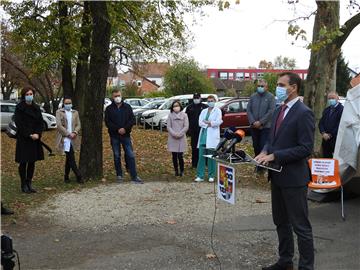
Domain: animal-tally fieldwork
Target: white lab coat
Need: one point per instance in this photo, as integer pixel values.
(213, 132)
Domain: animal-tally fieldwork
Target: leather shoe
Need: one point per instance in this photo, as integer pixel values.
(278, 267)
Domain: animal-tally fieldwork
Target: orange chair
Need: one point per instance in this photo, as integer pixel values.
(322, 179)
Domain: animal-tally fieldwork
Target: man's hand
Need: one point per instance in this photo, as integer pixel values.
(264, 158)
(72, 135)
(257, 124)
(326, 136)
(34, 136)
(122, 131)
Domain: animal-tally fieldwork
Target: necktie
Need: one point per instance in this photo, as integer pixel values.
(280, 118)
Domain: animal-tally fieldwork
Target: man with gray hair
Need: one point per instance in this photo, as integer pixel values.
(329, 124)
(259, 111)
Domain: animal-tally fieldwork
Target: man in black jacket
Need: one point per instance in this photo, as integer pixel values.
(193, 111)
(119, 119)
(329, 124)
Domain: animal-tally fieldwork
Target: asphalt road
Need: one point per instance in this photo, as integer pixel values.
(242, 242)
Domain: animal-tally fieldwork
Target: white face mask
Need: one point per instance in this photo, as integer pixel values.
(196, 101)
(117, 100)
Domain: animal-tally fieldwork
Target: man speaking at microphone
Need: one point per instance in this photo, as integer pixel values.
(291, 141)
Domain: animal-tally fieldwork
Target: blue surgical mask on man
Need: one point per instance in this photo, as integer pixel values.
(281, 94)
(68, 107)
(29, 99)
(332, 102)
(211, 104)
(260, 90)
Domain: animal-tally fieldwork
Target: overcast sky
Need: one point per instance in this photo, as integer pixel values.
(249, 32)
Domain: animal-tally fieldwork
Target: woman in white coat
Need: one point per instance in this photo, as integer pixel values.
(210, 120)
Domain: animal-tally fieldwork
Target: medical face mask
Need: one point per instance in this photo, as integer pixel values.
(211, 104)
(117, 100)
(260, 90)
(197, 101)
(29, 99)
(332, 102)
(281, 93)
(68, 107)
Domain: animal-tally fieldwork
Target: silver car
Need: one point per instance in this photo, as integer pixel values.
(7, 112)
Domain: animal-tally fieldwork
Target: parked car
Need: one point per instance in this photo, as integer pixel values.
(234, 113)
(225, 98)
(8, 110)
(136, 102)
(153, 117)
(150, 106)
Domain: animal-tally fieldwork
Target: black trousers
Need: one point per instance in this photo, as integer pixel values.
(70, 163)
(26, 171)
(328, 147)
(290, 213)
(178, 160)
(194, 150)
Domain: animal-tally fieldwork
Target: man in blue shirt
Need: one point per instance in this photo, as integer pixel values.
(329, 124)
(119, 119)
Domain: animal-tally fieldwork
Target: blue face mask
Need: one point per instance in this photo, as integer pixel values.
(332, 102)
(260, 90)
(211, 104)
(67, 107)
(29, 98)
(281, 94)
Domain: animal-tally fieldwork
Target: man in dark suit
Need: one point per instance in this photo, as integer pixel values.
(291, 141)
(329, 124)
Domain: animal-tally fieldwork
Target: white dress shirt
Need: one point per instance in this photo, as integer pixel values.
(67, 140)
(289, 105)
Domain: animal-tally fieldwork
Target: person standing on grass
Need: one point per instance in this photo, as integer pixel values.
(259, 110)
(29, 123)
(177, 126)
(209, 121)
(193, 111)
(67, 138)
(119, 119)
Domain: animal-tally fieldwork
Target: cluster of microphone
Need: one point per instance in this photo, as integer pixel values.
(227, 143)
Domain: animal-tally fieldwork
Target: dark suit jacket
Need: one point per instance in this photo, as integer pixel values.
(329, 122)
(291, 146)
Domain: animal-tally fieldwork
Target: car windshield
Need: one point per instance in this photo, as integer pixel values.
(152, 105)
(166, 105)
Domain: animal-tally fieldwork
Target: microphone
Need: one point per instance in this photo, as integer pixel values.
(228, 135)
(238, 136)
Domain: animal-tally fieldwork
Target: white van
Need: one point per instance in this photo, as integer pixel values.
(153, 117)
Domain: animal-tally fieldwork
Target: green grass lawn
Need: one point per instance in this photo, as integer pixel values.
(152, 160)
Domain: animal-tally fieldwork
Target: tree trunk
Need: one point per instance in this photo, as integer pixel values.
(82, 68)
(66, 71)
(91, 155)
(322, 69)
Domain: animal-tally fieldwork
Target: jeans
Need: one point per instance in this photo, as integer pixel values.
(259, 138)
(116, 142)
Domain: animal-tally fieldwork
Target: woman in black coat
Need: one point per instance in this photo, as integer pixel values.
(29, 123)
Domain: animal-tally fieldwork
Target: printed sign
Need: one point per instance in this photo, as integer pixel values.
(226, 183)
(323, 167)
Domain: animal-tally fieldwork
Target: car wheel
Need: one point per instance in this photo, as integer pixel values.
(45, 126)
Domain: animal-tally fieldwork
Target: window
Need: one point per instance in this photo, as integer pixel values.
(134, 102)
(4, 108)
(12, 108)
(212, 75)
(231, 76)
(239, 76)
(260, 75)
(234, 107)
(253, 76)
(244, 104)
(138, 83)
(305, 75)
(223, 75)
(247, 75)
